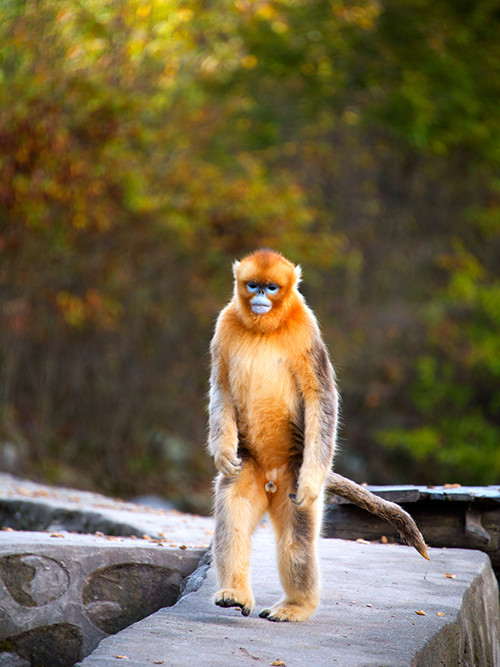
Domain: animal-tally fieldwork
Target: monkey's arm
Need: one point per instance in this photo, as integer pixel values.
(223, 432)
(320, 396)
(391, 512)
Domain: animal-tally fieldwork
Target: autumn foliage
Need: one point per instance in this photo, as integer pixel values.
(144, 145)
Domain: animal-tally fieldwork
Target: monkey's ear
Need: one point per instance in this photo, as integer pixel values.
(235, 267)
(298, 274)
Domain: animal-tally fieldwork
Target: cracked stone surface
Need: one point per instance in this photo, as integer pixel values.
(381, 604)
(26, 505)
(61, 591)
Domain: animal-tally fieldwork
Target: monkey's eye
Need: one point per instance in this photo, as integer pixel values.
(272, 289)
(252, 287)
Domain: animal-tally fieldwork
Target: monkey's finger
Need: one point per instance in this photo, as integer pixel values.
(230, 468)
(235, 466)
(295, 501)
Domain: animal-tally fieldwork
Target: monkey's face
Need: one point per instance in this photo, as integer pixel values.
(261, 296)
(264, 289)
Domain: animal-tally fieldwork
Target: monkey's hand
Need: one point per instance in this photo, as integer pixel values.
(305, 496)
(228, 463)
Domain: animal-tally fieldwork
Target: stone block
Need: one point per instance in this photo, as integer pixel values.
(61, 593)
(76, 566)
(381, 604)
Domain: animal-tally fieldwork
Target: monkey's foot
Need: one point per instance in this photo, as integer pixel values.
(283, 612)
(232, 597)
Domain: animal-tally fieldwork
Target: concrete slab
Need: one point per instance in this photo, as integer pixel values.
(26, 505)
(73, 590)
(82, 571)
(381, 605)
(464, 517)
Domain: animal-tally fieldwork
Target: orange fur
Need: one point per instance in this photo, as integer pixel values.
(272, 431)
(273, 414)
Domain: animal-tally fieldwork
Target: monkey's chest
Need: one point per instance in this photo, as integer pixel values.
(265, 395)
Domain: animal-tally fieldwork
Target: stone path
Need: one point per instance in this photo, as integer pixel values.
(76, 566)
(381, 605)
(26, 505)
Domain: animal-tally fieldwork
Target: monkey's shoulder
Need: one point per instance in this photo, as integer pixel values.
(294, 346)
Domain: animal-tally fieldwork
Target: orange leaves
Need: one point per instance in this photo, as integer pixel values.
(92, 308)
(72, 308)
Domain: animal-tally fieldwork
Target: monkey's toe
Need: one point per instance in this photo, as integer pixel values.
(284, 614)
(230, 599)
(275, 617)
(229, 602)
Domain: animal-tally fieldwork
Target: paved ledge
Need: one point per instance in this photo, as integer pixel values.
(368, 615)
(73, 568)
(26, 505)
(464, 517)
(73, 590)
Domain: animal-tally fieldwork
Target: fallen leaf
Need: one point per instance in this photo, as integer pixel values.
(120, 657)
(278, 662)
(440, 613)
(451, 486)
(362, 541)
(384, 539)
(420, 612)
(449, 576)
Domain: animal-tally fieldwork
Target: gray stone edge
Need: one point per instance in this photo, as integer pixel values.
(463, 642)
(196, 579)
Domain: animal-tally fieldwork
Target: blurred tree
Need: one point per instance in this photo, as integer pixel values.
(118, 209)
(144, 145)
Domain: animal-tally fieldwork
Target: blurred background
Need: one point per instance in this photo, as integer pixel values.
(145, 144)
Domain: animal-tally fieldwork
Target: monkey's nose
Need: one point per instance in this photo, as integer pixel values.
(271, 487)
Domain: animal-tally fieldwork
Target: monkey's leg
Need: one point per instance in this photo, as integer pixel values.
(240, 503)
(297, 533)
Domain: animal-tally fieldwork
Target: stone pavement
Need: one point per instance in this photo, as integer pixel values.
(382, 605)
(76, 566)
(62, 593)
(26, 505)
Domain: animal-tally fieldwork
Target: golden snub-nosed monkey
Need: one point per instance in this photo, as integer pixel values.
(273, 424)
